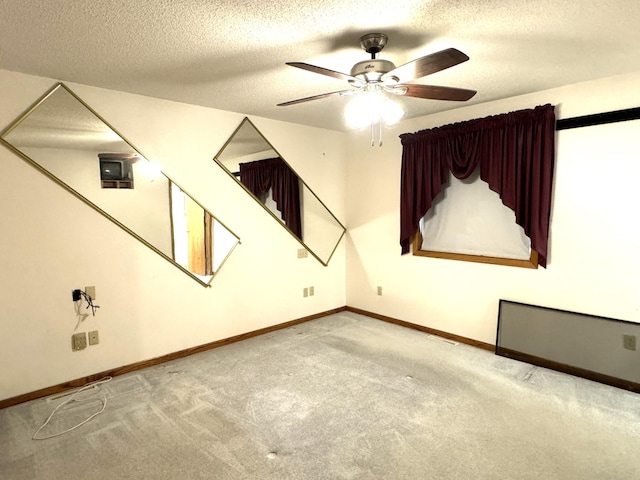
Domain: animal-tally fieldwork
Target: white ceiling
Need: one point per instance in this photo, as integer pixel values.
(231, 54)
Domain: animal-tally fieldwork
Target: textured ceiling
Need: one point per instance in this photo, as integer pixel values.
(231, 54)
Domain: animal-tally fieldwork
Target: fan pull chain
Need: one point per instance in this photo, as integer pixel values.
(373, 135)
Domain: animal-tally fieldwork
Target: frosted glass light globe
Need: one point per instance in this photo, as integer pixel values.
(371, 107)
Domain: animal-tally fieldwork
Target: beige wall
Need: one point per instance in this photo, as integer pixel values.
(594, 256)
(51, 243)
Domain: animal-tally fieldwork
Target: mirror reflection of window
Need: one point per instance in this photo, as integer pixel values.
(268, 201)
(318, 230)
(272, 176)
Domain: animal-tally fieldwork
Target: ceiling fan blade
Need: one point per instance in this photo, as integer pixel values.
(316, 97)
(325, 71)
(434, 92)
(427, 65)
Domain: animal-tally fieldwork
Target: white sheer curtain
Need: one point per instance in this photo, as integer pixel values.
(469, 218)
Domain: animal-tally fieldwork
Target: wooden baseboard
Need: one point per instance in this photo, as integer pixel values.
(79, 382)
(421, 328)
(571, 370)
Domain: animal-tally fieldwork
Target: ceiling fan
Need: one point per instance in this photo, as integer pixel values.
(376, 75)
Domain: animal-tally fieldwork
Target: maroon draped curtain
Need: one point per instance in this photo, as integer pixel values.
(515, 152)
(262, 175)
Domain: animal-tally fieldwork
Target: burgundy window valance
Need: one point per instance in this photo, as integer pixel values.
(275, 175)
(515, 152)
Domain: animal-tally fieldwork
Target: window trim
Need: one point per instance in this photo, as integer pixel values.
(532, 262)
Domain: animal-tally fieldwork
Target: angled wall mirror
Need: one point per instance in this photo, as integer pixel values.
(253, 162)
(70, 143)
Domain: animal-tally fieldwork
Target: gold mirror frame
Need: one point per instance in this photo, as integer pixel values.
(320, 230)
(60, 125)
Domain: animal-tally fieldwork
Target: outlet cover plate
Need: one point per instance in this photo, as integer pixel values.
(79, 341)
(91, 291)
(629, 342)
(94, 339)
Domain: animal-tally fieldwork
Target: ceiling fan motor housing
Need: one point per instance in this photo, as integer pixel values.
(372, 70)
(373, 42)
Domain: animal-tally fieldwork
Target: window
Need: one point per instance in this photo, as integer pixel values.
(514, 153)
(469, 222)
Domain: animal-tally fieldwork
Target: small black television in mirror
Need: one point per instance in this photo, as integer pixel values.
(116, 170)
(111, 170)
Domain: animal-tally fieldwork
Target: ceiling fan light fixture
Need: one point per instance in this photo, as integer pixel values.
(374, 80)
(370, 107)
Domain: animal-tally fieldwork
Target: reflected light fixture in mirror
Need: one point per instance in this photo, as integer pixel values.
(70, 143)
(248, 155)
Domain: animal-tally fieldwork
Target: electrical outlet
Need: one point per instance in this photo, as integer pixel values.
(380, 291)
(302, 253)
(75, 295)
(629, 342)
(91, 291)
(305, 292)
(93, 338)
(78, 341)
(311, 291)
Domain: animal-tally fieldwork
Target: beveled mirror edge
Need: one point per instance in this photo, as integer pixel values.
(215, 159)
(13, 125)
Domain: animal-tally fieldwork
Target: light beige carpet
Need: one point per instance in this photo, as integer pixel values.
(342, 397)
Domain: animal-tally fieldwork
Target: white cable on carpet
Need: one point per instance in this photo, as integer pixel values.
(72, 398)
